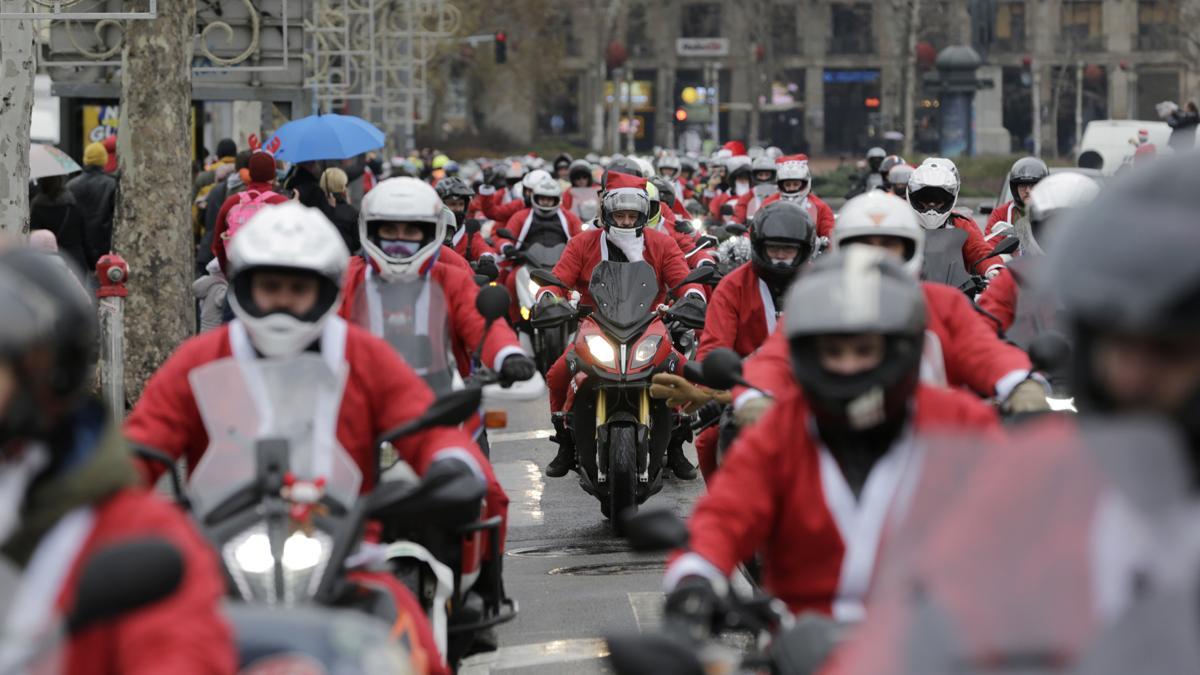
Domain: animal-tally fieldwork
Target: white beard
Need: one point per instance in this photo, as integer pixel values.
(632, 247)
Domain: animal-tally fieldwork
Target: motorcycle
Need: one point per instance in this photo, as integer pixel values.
(943, 262)
(548, 329)
(621, 434)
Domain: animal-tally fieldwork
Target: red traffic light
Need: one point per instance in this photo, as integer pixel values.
(871, 102)
(680, 115)
(501, 36)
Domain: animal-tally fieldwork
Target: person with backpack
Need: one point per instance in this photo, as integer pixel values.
(238, 208)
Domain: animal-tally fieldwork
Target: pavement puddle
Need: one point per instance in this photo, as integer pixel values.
(522, 480)
(539, 654)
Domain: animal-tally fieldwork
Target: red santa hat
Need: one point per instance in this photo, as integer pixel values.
(623, 181)
(735, 148)
(792, 167)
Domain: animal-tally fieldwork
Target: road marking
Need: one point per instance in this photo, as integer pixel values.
(510, 436)
(522, 480)
(540, 654)
(647, 610)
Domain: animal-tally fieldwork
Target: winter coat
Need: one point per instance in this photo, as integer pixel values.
(818, 210)
(741, 314)
(211, 290)
(344, 216)
(65, 218)
(96, 194)
(466, 325)
(976, 251)
(1183, 130)
(218, 244)
(961, 350)
(1005, 213)
(184, 633)
(478, 245)
(586, 251)
(519, 224)
(790, 503)
(495, 208)
(308, 189)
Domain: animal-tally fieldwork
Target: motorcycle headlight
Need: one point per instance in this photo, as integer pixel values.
(602, 350)
(645, 351)
(1061, 404)
(251, 564)
(532, 287)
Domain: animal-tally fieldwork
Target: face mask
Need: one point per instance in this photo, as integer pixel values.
(399, 248)
(741, 187)
(764, 190)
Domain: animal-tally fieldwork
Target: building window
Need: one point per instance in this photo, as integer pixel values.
(851, 30)
(1009, 28)
(701, 20)
(785, 35)
(1082, 26)
(1158, 22)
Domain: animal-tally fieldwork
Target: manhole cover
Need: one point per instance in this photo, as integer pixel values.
(611, 569)
(562, 550)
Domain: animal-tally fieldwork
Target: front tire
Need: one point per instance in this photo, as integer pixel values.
(622, 474)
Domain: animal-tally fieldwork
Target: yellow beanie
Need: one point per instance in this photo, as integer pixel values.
(95, 155)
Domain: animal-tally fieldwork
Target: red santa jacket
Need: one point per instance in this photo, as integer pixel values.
(790, 503)
(976, 251)
(1005, 213)
(520, 221)
(184, 633)
(717, 201)
(496, 208)
(479, 246)
(453, 258)
(741, 314)
(466, 325)
(686, 242)
(381, 393)
(587, 250)
(818, 210)
(999, 300)
(971, 354)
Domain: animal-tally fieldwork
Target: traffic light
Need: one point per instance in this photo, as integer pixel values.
(681, 114)
(501, 42)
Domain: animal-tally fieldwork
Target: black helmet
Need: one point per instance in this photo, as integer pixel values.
(886, 165)
(860, 290)
(48, 336)
(580, 168)
(875, 157)
(1026, 171)
(453, 187)
(620, 165)
(781, 223)
(1126, 263)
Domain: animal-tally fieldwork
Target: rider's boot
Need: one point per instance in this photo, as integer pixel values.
(678, 463)
(564, 461)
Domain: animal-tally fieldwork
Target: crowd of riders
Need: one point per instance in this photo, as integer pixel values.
(809, 355)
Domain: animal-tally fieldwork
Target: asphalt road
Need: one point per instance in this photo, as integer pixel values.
(574, 581)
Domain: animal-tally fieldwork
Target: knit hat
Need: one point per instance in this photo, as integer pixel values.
(95, 155)
(262, 167)
(226, 148)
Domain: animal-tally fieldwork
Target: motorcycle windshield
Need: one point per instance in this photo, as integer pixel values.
(1036, 555)
(944, 256)
(243, 402)
(624, 293)
(544, 257)
(412, 316)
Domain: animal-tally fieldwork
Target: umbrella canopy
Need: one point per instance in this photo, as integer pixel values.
(324, 137)
(47, 160)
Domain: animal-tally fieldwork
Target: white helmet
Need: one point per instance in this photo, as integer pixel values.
(532, 178)
(402, 200)
(669, 162)
(793, 167)
(933, 191)
(879, 213)
(645, 165)
(1050, 198)
(287, 236)
(547, 187)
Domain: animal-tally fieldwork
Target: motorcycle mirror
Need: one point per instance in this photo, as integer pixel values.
(985, 209)
(1006, 247)
(124, 577)
(723, 369)
(492, 302)
(473, 225)
(449, 410)
(654, 530)
(700, 275)
(658, 653)
(448, 499)
(546, 278)
(693, 372)
(505, 233)
(1049, 351)
(736, 229)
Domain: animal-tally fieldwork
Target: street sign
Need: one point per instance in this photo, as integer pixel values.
(702, 47)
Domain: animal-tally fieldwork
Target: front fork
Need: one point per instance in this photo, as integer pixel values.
(643, 460)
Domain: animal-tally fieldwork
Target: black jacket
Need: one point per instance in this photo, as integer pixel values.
(95, 194)
(64, 218)
(345, 217)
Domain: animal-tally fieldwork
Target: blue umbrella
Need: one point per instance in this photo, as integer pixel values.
(324, 137)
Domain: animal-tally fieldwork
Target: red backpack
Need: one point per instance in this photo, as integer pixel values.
(249, 203)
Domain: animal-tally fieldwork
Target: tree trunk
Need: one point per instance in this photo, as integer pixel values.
(910, 76)
(16, 110)
(153, 221)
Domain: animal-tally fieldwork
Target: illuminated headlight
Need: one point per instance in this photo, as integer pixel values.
(602, 350)
(645, 351)
(524, 313)
(532, 287)
(1062, 404)
(251, 563)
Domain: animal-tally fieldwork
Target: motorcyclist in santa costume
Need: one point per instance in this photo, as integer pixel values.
(456, 195)
(663, 219)
(762, 181)
(492, 204)
(71, 490)
(962, 348)
(814, 506)
(794, 179)
(745, 307)
(545, 221)
(933, 192)
(1048, 202)
(583, 188)
(670, 168)
(623, 237)
(1025, 173)
(400, 225)
(734, 182)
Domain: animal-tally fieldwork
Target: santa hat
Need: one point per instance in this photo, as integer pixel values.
(792, 167)
(735, 147)
(623, 181)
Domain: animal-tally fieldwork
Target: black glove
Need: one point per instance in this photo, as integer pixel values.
(709, 412)
(692, 607)
(689, 311)
(513, 253)
(517, 368)
(487, 267)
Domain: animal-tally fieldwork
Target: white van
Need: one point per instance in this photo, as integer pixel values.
(1113, 142)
